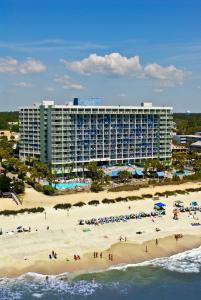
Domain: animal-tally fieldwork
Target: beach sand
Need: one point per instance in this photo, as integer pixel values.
(29, 251)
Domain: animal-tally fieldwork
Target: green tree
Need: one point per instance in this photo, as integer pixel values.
(22, 170)
(96, 186)
(4, 183)
(51, 178)
(124, 176)
(152, 165)
(95, 173)
(18, 186)
(179, 160)
(48, 190)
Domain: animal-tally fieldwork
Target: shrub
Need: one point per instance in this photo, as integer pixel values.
(169, 193)
(126, 187)
(96, 187)
(180, 192)
(18, 186)
(120, 199)
(38, 187)
(79, 204)
(107, 201)
(93, 202)
(48, 190)
(147, 196)
(22, 211)
(160, 194)
(176, 178)
(29, 181)
(62, 206)
(131, 198)
(4, 183)
(190, 190)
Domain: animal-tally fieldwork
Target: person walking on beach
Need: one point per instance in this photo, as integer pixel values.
(146, 249)
(156, 242)
(101, 255)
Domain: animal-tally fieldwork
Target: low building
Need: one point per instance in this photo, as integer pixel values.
(195, 147)
(179, 149)
(13, 123)
(186, 138)
(9, 135)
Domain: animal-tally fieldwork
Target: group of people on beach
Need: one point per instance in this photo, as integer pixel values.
(96, 255)
(76, 257)
(65, 180)
(121, 238)
(53, 254)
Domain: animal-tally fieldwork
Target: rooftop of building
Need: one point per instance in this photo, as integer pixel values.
(189, 135)
(95, 105)
(196, 144)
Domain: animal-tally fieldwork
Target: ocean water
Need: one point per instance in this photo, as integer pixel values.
(175, 277)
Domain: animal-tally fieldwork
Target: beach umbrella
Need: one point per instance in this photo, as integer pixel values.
(194, 203)
(179, 203)
(160, 204)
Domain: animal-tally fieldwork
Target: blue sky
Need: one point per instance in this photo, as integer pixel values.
(125, 51)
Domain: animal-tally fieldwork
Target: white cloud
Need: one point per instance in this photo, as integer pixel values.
(50, 45)
(24, 84)
(30, 65)
(122, 95)
(170, 73)
(158, 90)
(114, 64)
(8, 65)
(67, 83)
(50, 89)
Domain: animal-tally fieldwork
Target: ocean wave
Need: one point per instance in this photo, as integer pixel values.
(38, 286)
(184, 262)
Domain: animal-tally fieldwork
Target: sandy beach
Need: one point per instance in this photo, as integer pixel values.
(29, 251)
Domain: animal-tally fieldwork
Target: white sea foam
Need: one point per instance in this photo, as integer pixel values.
(184, 262)
(39, 285)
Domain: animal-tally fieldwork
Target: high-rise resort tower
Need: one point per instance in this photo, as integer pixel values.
(84, 131)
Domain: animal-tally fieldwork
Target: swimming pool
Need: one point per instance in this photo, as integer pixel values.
(181, 173)
(69, 185)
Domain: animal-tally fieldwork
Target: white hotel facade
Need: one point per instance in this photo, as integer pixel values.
(62, 135)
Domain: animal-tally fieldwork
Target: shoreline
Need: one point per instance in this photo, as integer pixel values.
(29, 251)
(125, 254)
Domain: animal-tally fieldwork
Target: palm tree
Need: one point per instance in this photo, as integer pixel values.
(51, 178)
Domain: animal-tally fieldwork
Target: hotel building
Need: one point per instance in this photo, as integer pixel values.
(80, 132)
